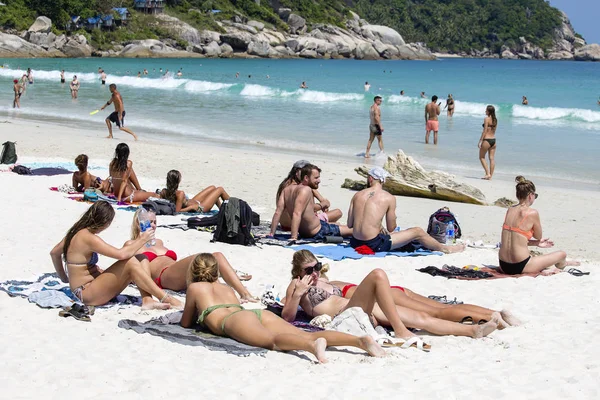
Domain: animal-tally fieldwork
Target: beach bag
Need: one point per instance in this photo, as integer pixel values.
(90, 194)
(9, 153)
(438, 221)
(160, 206)
(354, 321)
(22, 170)
(234, 223)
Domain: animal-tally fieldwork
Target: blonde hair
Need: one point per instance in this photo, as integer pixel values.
(204, 268)
(302, 257)
(524, 187)
(135, 224)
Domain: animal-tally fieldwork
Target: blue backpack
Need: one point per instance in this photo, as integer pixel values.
(438, 221)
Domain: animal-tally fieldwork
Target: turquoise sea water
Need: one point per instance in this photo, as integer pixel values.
(556, 137)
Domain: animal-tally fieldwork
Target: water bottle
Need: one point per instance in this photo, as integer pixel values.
(450, 235)
(145, 224)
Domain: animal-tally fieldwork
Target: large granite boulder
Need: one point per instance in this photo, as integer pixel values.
(409, 178)
(212, 49)
(590, 52)
(296, 23)
(560, 55)
(509, 55)
(41, 25)
(149, 48)
(365, 51)
(74, 48)
(180, 29)
(261, 49)
(259, 26)
(383, 33)
(226, 50)
(284, 13)
(237, 40)
(306, 53)
(12, 46)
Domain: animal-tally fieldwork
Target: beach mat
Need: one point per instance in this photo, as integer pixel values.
(341, 251)
(488, 272)
(167, 327)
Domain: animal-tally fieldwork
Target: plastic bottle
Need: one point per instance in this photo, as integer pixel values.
(145, 224)
(450, 234)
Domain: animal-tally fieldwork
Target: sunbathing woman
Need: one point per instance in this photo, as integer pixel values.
(215, 306)
(125, 185)
(316, 295)
(202, 202)
(82, 179)
(168, 273)
(522, 228)
(80, 248)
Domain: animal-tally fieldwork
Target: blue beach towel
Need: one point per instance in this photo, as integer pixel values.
(340, 252)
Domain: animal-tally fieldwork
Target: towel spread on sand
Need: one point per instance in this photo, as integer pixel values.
(452, 272)
(167, 327)
(340, 252)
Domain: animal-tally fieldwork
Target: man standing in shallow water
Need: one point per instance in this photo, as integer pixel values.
(432, 110)
(375, 127)
(17, 89)
(118, 115)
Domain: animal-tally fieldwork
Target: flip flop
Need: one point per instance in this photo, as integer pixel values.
(577, 272)
(414, 341)
(243, 276)
(77, 311)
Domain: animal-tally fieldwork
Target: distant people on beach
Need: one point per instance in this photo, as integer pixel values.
(91, 285)
(432, 124)
(524, 101)
(23, 83)
(170, 273)
(29, 76)
(103, 77)
(124, 183)
(367, 86)
(179, 73)
(237, 75)
(17, 88)
(303, 85)
(370, 206)
(487, 142)
(402, 93)
(375, 126)
(83, 180)
(523, 228)
(139, 74)
(216, 307)
(117, 116)
(74, 86)
(145, 71)
(204, 201)
(62, 76)
(450, 105)
(423, 95)
(298, 202)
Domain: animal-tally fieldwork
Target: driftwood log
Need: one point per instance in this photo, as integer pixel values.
(408, 178)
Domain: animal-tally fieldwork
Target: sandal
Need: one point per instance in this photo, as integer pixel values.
(78, 311)
(577, 272)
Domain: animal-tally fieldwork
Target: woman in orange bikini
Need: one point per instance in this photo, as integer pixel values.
(522, 228)
(168, 273)
(487, 142)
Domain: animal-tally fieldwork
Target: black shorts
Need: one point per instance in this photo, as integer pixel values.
(375, 129)
(104, 82)
(114, 118)
(380, 243)
(62, 81)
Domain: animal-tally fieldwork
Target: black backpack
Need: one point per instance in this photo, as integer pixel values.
(9, 153)
(234, 223)
(438, 222)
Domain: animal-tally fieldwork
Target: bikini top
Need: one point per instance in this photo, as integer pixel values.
(92, 262)
(152, 256)
(317, 295)
(527, 234)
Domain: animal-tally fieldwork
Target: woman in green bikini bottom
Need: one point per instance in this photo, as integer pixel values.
(215, 306)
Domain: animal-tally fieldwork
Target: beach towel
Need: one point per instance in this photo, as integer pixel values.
(167, 327)
(487, 272)
(342, 251)
(50, 171)
(280, 238)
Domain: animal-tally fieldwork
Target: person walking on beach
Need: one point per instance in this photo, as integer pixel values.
(450, 105)
(62, 76)
(375, 126)
(432, 110)
(17, 88)
(74, 85)
(118, 115)
(487, 142)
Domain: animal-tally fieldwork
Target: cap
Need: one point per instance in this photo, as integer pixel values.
(379, 174)
(301, 163)
(16, 81)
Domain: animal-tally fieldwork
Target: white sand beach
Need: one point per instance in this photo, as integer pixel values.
(554, 354)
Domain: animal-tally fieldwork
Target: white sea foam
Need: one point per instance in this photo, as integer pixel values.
(326, 97)
(252, 90)
(205, 86)
(555, 113)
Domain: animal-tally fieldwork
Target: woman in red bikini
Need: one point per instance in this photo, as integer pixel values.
(522, 228)
(169, 273)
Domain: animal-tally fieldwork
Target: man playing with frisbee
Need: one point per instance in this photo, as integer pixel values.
(117, 115)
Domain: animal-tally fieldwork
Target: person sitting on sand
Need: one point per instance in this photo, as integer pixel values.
(170, 273)
(316, 295)
(215, 306)
(321, 208)
(80, 248)
(522, 228)
(202, 202)
(367, 209)
(297, 201)
(82, 179)
(122, 177)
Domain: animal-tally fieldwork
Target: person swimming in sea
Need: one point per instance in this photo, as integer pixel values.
(525, 101)
(303, 85)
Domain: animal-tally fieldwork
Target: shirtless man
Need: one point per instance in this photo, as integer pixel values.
(450, 105)
(524, 101)
(74, 85)
(298, 201)
(432, 110)
(17, 88)
(62, 76)
(367, 86)
(103, 77)
(117, 115)
(375, 126)
(367, 209)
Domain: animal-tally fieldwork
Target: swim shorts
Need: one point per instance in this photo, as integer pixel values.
(375, 129)
(114, 118)
(380, 243)
(432, 126)
(104, 82)
(327, 230)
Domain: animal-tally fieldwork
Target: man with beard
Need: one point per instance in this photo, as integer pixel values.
(298, 201)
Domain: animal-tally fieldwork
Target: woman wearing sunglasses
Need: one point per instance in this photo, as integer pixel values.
(316, 295)
(522, 228)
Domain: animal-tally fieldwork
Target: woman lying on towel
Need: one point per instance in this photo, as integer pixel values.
(80, 248)
(82, 179)
(122, 177)
(522, 228)
(215, 306)
(202, 202)
(168, 273)
(316, 295)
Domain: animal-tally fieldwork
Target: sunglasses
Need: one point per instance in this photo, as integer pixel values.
(536, 195)
(317, 267)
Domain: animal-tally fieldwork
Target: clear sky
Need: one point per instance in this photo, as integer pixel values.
(584, 16)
